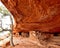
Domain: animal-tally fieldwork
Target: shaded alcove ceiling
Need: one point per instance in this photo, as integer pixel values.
(42, 15)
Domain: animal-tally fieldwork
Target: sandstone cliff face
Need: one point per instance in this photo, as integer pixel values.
(42, 15)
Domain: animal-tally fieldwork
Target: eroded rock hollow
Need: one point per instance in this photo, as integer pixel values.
(42, 15)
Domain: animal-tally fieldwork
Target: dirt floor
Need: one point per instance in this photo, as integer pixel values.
(28, 42)
(23, 42)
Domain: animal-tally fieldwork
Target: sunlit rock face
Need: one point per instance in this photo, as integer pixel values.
(42, 15)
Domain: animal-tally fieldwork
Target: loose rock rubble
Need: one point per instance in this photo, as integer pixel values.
(4, 38)
(32, 42)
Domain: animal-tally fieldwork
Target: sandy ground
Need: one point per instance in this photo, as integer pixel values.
(21, 42)
(28, 42)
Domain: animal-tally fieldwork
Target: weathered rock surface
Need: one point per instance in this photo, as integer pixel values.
(33, 42)
(42, 15)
